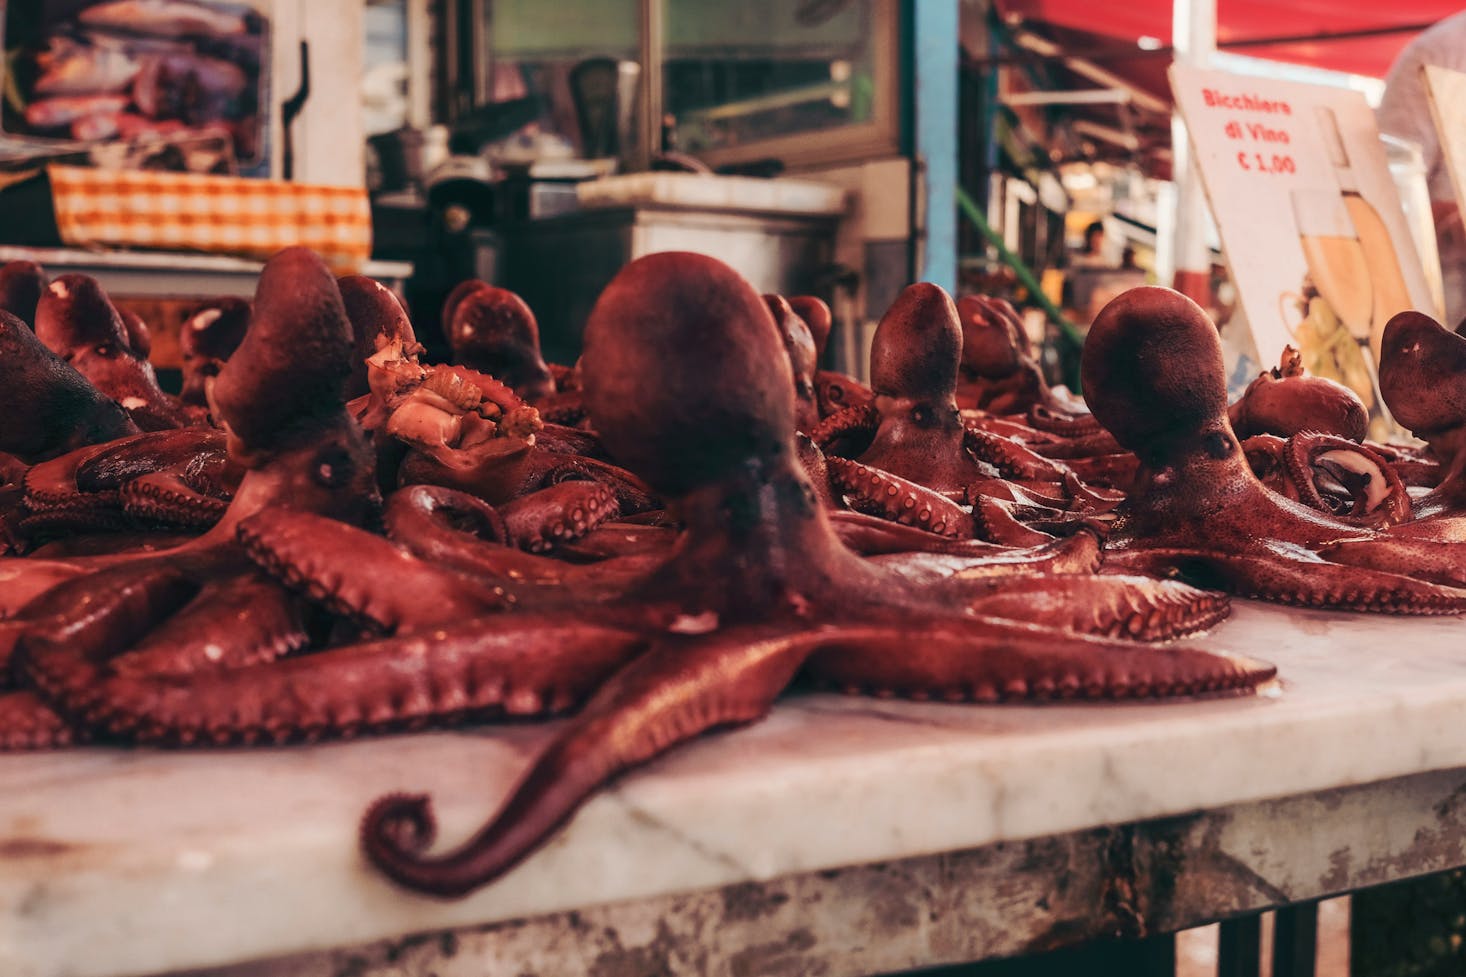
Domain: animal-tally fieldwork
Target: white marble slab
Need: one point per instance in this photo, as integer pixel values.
(121, 862)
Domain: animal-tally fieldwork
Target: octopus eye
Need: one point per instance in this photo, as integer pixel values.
(1217, 445)
(920, 415)
(106, 349)
(333, 468)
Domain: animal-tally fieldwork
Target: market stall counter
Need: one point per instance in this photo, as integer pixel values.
(841, 836)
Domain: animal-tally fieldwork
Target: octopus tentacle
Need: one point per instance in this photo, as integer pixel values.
(464, 534)
(873, 536)
(677, 689)
(632, 495)
(53, 484)
(1378, 495)
(560, 513)
(1137, 608)
(230, 623)
(835, 392)
(859, 421)
(881, 493)
(114, 464)
(617, 539)
(1046, 418)
(167, 498)
(103, 515)
(519, 665)
(1290, 577)
(1117, 470)
(1015, 662)
(1077, 554)
(1011, 459)
(995, 522)
(1438, 560)
(360, 576)
(27, 723)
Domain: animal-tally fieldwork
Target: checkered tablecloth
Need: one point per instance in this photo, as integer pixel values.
(215, 214)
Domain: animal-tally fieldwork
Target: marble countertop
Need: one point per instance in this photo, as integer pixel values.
(122, 862)
(180, 262)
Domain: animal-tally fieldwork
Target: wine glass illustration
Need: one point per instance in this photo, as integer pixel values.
(1336, 260)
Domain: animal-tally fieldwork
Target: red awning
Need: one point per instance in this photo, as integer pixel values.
(1241, 24)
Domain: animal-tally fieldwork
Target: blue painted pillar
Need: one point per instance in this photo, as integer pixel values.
(934, 49)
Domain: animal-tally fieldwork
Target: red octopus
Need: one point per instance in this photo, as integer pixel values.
(1154, 377)
(658, 646)
(915, 458)
(21, 285)
(76, 320)
(279, 399)
(1422, 377)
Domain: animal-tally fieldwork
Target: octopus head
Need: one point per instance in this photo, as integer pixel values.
(990, 340)
(817, 317)
(289, 372)
(1153, 376)
(685, 375)
(917, 346)
(1422, 373)
(75, 316)
(377, 318)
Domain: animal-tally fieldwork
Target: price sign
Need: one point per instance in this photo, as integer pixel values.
(1309, 221)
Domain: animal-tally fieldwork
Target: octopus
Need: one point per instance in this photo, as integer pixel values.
(758, 588)
(201, 605)
(1000, 374)
(1154, 377)
(206, 341)
(76, 320)
(493, 331)
(647, 649)
(50, 407)
(1422, 377)
(913, 458)
(834, 391)
(1286, 400)
(21, 285)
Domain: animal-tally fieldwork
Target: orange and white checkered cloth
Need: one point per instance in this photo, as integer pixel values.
(216, 214)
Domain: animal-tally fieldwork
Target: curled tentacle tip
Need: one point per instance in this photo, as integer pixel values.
(399, 822)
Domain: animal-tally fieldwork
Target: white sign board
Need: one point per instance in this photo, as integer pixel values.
(1309, 219)
(1447, 93)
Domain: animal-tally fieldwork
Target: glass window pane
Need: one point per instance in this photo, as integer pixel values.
(568, 66)
(756, 69)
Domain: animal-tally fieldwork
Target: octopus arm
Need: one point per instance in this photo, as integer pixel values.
(1137, 608)
(361, 576)
(1292, 575)
(1011, 459)
(231, 622)
(28, 723)
(167, 498)
(1077, 554)
(558, 513)
(989, 661)
(521, 665)
(681, 687)
(880, 493)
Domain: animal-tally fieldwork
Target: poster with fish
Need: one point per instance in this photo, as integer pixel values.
(173, 73)
(1310, 220)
